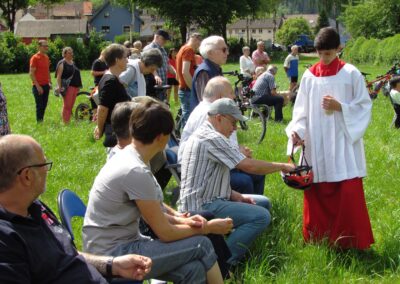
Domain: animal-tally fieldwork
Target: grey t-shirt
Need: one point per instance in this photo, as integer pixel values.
(112, 217)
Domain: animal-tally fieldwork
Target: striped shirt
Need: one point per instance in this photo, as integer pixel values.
(264, 85)
(206, 161)
(162, 71)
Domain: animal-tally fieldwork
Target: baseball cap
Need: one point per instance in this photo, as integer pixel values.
(226, 106)
(164, 34)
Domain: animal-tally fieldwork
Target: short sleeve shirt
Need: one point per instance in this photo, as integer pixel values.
(265, 83)
(207, 160)
(111, 92)
(186, 53)
(162, 71)
(112, 216)
(259, 55)
(42, 64)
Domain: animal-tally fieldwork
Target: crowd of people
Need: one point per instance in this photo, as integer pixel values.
(129, 231)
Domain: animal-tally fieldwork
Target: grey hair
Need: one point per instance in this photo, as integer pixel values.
(245, 48)
(66, 49)
(137, 43)
(14, 155)
(215, 87)
(152, 57)
(272, 69)
(208, 44)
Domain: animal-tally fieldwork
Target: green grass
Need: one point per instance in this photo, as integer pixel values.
(279, 255)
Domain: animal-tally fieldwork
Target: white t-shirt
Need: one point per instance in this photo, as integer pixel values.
(395, 95)
(246, 66)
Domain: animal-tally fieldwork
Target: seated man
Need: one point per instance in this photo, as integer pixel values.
(125, 191)
(206, 160)
(266, 94)
(219, 87)
(34, 247)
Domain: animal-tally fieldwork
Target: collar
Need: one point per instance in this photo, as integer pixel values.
(212, 64)
(34, 211)
(322, 70)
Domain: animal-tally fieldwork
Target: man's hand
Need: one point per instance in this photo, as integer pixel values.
(131, 266)
(238, 197)
(296, 140)
(195, 221)
(247, 199)
(220, 226)
(246, 151)
(158, 80)
(329, 103)
(39, 89)
(287, 167)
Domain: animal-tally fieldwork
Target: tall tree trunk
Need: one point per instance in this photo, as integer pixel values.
(183, 31)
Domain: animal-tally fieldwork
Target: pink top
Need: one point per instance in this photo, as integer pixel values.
(260, 55)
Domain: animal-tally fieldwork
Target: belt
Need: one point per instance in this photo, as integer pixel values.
(184, 89)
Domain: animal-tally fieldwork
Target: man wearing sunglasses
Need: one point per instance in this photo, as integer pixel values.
(35, 247)
(215, 53)
(207, 160)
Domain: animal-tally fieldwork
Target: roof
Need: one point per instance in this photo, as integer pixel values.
(67, 9)
(46, 28)
(27, 17)
(253, 24)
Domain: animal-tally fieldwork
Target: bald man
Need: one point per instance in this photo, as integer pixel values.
(35, 247)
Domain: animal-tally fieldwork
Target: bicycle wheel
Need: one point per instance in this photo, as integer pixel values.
(83, 112)
(258, 124)
(83, 93)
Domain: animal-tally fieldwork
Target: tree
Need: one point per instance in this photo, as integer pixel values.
(291, 29)
(322, 21)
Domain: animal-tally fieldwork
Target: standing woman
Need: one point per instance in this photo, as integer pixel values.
(246, 63)
(171, 78)
(68, 82)
(4, 125)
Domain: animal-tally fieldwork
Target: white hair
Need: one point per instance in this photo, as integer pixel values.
(215, 87)
(208, 44)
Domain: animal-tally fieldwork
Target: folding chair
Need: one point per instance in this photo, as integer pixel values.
(69, 206)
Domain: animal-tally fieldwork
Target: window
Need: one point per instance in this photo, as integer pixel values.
(106, 14)
(243, 31)
(105, 29)
(126, 29)
(269, 31)
(260, 31)
(253, 31)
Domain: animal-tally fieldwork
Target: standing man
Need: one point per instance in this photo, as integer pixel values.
(259, 56)
(291, 66)
(215, 53)
(39, 71)
(160, 39)
(185, 66)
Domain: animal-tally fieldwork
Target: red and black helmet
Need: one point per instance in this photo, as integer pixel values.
(302, 176)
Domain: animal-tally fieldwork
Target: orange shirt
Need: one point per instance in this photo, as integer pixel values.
(186, 53)
(41, 62)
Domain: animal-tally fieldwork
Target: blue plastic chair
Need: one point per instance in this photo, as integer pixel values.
(69, 206)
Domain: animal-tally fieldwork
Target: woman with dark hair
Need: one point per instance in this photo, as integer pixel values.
(68, 82)
(111, 92)
(330, 116)
(125, 190)
(171, 78)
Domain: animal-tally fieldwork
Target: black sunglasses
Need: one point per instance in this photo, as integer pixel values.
(47, 164)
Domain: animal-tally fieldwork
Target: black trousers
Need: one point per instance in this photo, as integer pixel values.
(275, 101)
(41, 101)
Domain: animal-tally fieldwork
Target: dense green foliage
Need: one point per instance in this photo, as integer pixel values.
(373, 18)
(373, 51)
(15, 55)
(322, 21)
(291, 29)
(279, 254)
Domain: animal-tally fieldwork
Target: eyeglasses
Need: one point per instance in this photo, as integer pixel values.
(48, 166)
(233, 122)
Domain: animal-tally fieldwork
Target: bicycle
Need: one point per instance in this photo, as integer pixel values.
(381, 82)
(85, 111)
(243, 97)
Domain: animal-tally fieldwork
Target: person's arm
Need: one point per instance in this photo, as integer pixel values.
(32, 70)
(266, 58)
(259, 167)
(130, 266)
(59, 72)
(171, 70)
(102, 113)
(186, 73)
(200, 84)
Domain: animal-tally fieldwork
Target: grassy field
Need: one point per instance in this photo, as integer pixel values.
(279, 255)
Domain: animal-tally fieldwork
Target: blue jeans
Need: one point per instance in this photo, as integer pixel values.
(247, 183)
(183, 261)
(248, 221)
(184, 98)
(41, 101)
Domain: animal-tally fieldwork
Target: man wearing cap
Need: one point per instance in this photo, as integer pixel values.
(185, 66)
(160, 39)
(206, 161)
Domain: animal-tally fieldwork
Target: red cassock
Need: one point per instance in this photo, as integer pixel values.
(336, 210)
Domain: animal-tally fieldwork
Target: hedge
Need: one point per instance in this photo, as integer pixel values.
(373, 51)
(15, 55)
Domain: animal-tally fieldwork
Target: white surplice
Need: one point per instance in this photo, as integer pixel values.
(333, 140)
